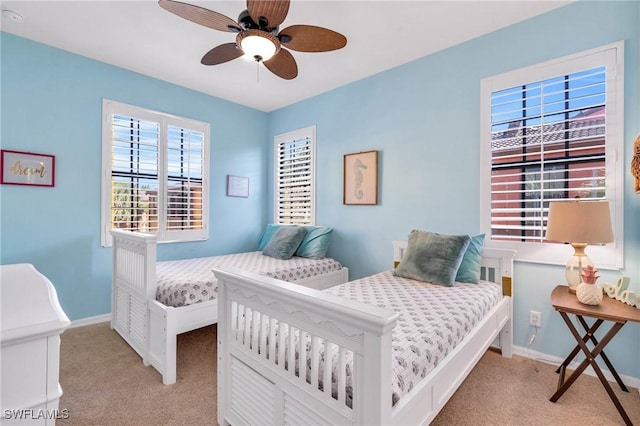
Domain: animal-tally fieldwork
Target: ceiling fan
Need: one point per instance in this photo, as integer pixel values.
(259, 36)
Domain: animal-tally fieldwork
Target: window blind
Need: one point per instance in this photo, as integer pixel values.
(548, 142)
(134, 175)
(184, 179)
(294, 180)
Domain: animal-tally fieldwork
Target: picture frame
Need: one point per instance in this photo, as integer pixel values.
(27, 168)
(360, 178)
(237, 186)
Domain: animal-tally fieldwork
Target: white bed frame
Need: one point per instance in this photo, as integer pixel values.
(253, 388)
(147, 325)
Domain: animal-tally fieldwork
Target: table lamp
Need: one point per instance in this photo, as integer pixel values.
(579, 223)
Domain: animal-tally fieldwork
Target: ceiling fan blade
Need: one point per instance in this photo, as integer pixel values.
(309, 38)
(273, 10)
(200, 15)
(283, 65)
(221, 54)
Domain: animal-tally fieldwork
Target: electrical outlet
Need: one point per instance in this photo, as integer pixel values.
(535, 319)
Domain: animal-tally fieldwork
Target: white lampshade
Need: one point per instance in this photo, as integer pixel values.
(579, 223)
(257, 47)
(586, 222)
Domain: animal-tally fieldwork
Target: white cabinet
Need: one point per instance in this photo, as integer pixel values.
(32, 321)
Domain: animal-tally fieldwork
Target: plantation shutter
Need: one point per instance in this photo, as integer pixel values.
(155, 169)
(134, 173)
(294, 178)
(548, 142)
(184, 179)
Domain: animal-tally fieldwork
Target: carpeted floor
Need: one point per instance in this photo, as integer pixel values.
(105, 383)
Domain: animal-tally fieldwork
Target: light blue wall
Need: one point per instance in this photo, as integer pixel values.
(423, 117)
(52, 103)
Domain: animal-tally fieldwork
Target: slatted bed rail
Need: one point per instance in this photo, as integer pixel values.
(263, 322)
(277, 343)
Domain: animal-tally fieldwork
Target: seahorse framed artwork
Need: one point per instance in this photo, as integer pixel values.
(361, 178)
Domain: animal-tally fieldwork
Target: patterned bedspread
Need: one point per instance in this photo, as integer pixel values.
(184, 282)
(433, 319)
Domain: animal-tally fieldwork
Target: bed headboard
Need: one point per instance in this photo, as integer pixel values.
(398, 252)
(497, 264)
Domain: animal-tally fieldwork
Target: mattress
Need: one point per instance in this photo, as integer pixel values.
(189, 281)
(432, 320)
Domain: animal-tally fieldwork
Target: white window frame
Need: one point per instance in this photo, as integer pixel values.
(609, 256)
(109, 108)
(307, 132)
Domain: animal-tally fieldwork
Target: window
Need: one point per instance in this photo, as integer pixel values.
(552, 132)
(155, 174)
(295, 177)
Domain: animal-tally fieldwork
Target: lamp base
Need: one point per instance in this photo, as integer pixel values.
(576, 264)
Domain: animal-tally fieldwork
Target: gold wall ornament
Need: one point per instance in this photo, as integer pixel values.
(635, 164)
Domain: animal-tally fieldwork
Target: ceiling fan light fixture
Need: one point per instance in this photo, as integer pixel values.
(258, 45)
(259, 37)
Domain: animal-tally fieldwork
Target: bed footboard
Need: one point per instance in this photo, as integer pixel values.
(133, 284)
(264, 322)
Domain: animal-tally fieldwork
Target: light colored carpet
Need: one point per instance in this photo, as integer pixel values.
(105, 383)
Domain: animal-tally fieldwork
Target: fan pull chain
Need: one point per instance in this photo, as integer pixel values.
(257, 72)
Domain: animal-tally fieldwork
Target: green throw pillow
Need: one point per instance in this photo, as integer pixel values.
(284, 242)
(432, 257)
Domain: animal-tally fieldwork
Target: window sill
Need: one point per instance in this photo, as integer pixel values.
(607, 257)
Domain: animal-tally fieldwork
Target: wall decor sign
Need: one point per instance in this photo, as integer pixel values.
(361, 178)
(620, 291)
(27, 168)
(237, 186)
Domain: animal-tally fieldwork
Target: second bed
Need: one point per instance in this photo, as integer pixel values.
(153, 302)
(398, 348)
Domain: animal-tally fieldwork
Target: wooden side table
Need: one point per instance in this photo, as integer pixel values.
(608, 310)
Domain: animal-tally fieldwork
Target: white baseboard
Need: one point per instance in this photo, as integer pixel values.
(90, 321)
(630, 382)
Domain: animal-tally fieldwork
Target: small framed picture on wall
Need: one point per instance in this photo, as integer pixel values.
(237, 186)
(361, 178)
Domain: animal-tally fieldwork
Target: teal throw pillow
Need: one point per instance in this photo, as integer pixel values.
(432, 257)
(284, 242)
(266, 236)
(469, 271)
(315, 243)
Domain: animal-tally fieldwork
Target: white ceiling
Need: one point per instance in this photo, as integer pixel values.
(143, 37)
